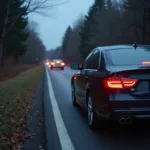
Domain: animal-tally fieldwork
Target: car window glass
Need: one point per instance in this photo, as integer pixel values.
(130, 56)
(92, 61)
(57, 60)
(85, 64)
(95, 58)
(89, 62)
(102, 62)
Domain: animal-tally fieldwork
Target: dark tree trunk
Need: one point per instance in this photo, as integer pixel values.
(143, 32)
(1, 53)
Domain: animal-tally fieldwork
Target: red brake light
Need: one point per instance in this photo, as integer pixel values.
(75, 76)
(62, 64)
(119, 83)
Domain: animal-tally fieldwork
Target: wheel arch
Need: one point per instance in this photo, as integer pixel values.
(72, 81)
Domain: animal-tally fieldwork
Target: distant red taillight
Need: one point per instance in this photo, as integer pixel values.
(62, 64)
(119, 83)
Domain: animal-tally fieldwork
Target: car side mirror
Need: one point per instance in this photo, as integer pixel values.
(76, 66)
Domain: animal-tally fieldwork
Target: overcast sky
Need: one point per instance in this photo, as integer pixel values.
(52, 28)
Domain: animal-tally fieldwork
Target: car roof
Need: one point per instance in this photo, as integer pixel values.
(111, 47)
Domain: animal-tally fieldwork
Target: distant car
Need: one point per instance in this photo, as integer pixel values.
(47, 62)
(57, 63)
(113, 84)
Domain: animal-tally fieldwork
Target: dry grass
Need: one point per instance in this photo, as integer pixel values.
(6, 73)
(16, 97)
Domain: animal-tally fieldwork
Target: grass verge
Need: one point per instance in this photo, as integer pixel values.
(16, 97)
(7, 73)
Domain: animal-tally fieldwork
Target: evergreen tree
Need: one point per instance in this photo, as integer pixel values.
(109, 4)
(14, 42)
(2, 11)
(86, 30)
(138, 12)
(66, 39)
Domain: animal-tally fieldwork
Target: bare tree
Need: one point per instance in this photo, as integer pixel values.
(35, 47)
(31, 6)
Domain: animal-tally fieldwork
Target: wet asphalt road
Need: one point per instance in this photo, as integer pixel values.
(114, 137)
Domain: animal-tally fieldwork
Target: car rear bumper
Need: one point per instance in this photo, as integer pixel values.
(127, 116)
(136, 109)
(134, 114)
(57, 66)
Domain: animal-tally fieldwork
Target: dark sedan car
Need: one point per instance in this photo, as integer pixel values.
(113, 84)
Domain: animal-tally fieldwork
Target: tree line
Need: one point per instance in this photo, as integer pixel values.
(107, 23)
(35, 48)
(17, 38)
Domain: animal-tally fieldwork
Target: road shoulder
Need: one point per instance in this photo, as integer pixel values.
(36, 129)
(51, 134)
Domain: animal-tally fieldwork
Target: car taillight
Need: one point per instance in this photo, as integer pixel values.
(52, 63)
(146, 63)
(119, 83)
(75, 77)
(62, 64)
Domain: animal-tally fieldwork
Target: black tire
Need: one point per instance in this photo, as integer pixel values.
(74, 99)
(62, 68)
(51, 68)
(92, 117)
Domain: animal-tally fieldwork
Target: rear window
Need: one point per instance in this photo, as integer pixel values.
(128, 56)
(57, 60)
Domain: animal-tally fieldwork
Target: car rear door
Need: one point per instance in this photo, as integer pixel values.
(81, 79)
(96, 75)
(88, 73)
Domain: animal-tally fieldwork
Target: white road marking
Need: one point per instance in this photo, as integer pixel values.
(64, 138)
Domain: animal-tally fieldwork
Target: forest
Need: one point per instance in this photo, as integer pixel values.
(19, 39)
(108, 22)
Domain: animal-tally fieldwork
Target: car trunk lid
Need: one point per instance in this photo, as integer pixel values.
(140, 73)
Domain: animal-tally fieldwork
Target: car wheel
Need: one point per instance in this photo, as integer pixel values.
(62, 68)
(51, 68)
(74, 99)
(92, 118)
